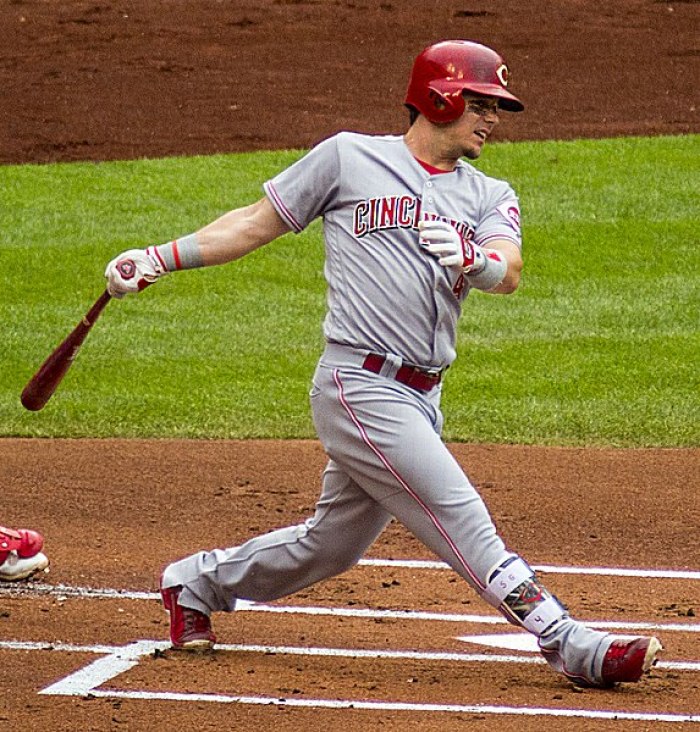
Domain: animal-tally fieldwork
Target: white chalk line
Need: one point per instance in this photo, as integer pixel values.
(125, 652)
(66, 591)
(377, 706)
(687, 574)
(448, 617)
(86, 681)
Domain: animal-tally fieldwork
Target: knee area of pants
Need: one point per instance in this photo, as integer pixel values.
(257, 591)
(338, 562)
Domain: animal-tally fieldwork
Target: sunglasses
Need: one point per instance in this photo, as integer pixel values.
(483, 107)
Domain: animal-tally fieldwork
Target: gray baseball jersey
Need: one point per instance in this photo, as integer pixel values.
(384, 292)
(389, 304)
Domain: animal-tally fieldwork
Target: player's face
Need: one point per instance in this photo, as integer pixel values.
(473, 128)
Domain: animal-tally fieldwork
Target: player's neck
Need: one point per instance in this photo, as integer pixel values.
(423, 146)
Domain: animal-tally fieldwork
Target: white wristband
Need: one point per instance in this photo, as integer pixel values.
(491, 274)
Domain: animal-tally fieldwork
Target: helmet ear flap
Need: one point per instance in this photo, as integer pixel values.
(445, 107)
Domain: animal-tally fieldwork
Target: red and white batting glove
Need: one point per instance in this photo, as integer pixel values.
(446, 244)
(133, 270)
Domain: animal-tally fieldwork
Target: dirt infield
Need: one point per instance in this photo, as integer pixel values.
(116, 511)
(98, 80)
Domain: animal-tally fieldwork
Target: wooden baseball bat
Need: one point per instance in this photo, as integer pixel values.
(42, 385)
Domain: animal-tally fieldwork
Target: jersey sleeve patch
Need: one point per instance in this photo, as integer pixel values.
(511, 213)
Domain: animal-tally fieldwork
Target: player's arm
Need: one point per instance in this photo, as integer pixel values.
(494, 268)
(510, 252)
(229, 237)
(239, 232)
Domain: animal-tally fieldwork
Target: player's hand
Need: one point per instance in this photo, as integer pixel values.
(133, 270)
(446, 244)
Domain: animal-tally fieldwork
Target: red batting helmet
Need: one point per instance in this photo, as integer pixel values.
(444, 70)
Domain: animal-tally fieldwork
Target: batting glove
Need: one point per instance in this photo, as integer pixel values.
(133, 270)
(447, 245)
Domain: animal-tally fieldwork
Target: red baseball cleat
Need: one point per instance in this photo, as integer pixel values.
(20, 554)
(190, 630)
(628, 659)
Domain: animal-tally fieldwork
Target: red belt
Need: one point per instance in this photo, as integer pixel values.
(420, 379)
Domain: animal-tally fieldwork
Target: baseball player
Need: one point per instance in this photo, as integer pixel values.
(20, 554)
(410, 228)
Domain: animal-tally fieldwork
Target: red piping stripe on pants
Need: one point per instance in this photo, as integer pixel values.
(402, 482)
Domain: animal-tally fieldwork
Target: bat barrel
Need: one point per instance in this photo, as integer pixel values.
(45, 381)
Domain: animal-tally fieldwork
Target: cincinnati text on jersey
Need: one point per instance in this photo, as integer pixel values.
(398, 212)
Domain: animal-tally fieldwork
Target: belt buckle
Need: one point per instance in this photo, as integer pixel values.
(430, 373)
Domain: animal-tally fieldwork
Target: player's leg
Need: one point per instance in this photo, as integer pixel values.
(388, 440)
(345, 523)
(586, 656)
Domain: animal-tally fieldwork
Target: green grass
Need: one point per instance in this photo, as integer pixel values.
(598, 346)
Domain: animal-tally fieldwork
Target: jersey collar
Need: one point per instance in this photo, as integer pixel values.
(431, 168)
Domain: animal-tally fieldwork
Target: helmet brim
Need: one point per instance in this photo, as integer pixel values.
(506, 100)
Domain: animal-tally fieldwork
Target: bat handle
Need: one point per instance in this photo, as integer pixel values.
(94, 312)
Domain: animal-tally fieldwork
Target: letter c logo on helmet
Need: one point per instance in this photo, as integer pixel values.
(444, 70)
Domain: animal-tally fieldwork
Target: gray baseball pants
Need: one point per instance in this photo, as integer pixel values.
(386, 460)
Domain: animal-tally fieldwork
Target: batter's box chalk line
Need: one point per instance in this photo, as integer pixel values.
(116, 660)
(36, 589)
